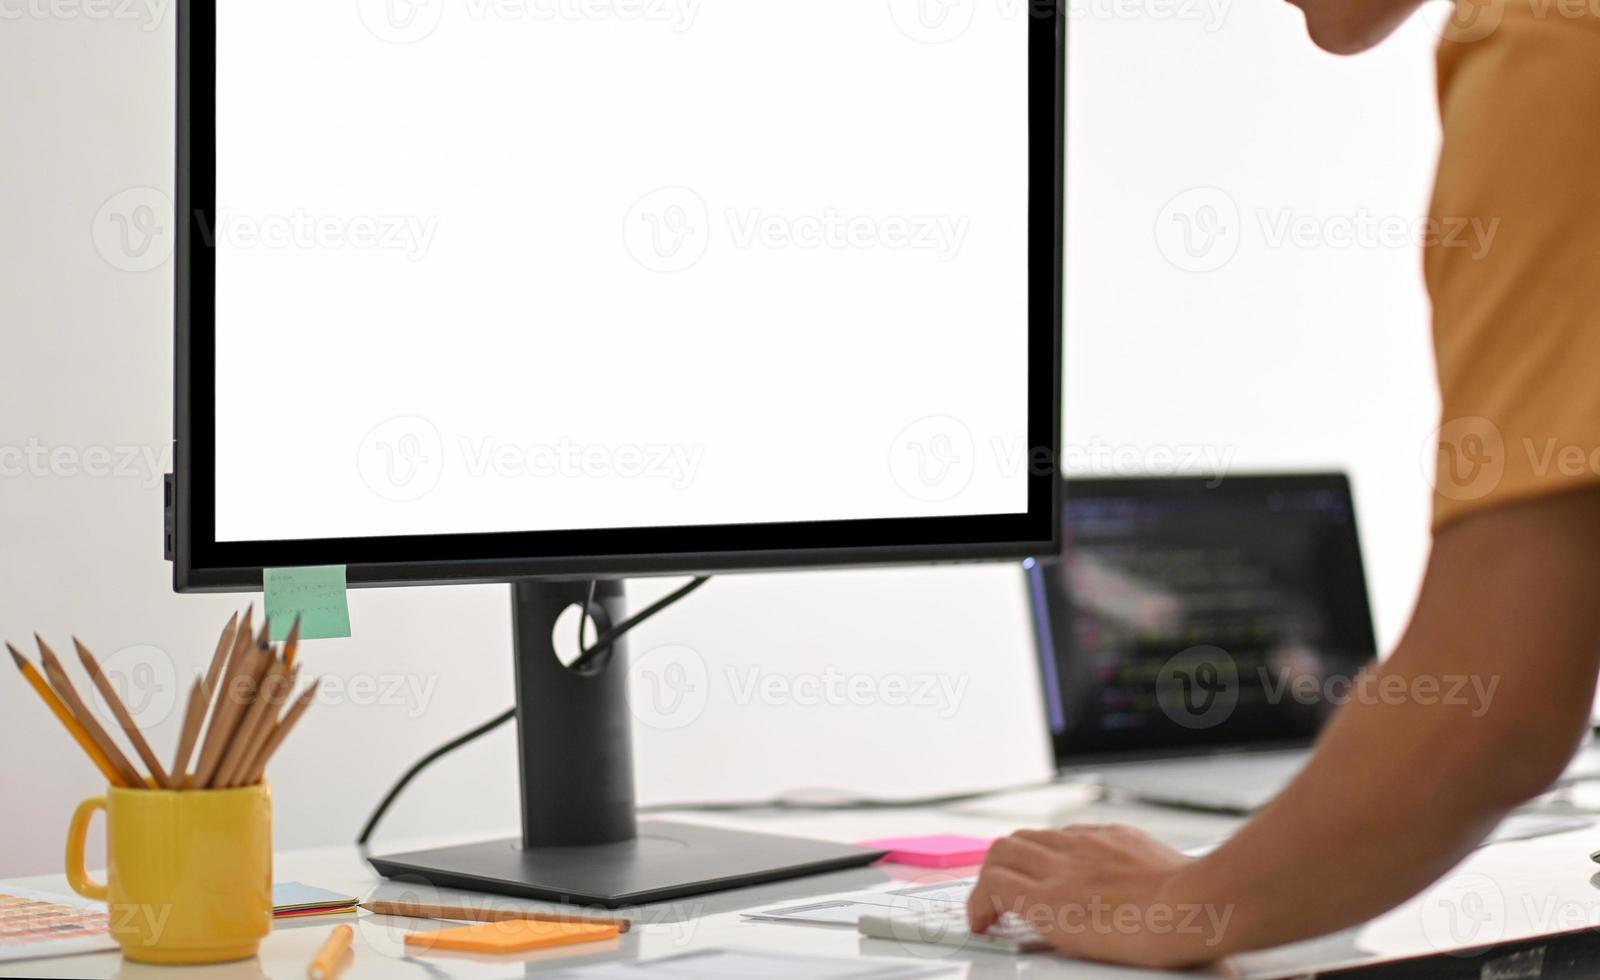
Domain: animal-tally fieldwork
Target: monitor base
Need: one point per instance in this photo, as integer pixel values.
(665, 861)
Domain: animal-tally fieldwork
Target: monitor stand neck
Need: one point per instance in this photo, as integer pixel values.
(580, 842)
(574, 731)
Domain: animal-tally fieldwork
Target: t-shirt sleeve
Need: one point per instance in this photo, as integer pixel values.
(1513, 259)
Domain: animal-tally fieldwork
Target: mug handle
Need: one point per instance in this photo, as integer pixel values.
(77, 834)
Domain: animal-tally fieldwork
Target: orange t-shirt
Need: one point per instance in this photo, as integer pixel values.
(1513, 257)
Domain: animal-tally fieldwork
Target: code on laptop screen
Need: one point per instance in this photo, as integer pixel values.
(1186, 613)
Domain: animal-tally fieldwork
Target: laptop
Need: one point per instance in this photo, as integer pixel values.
(1196, 633)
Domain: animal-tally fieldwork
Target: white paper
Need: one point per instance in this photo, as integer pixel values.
(738, 964)
(847, 909)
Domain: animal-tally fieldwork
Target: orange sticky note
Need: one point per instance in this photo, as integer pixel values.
(511, 936)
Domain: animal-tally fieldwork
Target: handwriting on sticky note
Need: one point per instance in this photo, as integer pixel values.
(315, 593)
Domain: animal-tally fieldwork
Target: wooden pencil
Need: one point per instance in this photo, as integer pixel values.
(220, 656)
(263, 733)
(223, 662)
(70, 723)
(237, 756)
(269, 722)
(291, 646)
(119, 711)
(69, 697)
(237, 694)
(413, 910)
(224, 706)
(192, 720)
(280, 731)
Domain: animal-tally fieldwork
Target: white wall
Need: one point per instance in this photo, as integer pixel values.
(1289, 355)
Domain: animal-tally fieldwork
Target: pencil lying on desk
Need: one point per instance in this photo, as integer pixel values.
(329, 958)
(412, 910)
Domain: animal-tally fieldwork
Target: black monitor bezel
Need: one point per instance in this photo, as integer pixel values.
(201, 563)
(1069, 753)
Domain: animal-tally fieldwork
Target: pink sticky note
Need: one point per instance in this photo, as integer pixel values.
(933, 851)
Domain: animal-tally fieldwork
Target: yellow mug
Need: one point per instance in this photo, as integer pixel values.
(188, 872)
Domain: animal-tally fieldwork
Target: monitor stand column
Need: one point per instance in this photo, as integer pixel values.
(580, 842)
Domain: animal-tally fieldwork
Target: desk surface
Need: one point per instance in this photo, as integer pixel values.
(1555, 887)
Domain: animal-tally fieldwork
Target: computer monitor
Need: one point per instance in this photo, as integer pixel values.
(546, 293)
(1194, 614)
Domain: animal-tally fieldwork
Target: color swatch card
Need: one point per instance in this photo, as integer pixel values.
(34, 925)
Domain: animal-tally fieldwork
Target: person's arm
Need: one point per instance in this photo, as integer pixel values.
(1408, 778)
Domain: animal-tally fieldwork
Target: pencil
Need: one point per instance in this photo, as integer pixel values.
(69, 697)
(413, 910)
(279, 732)
(223, 662)
(220, 656)
(291, 646)
(192, 719)
(225, 701)
(242, 699)
(326, 964)
(67, 720)
(244, 739)
(269, 721)
(119, 711)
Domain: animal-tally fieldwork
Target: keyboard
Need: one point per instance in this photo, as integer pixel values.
(948, 927)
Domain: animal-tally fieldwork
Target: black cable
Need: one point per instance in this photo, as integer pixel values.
(602, 643)
(583, 617)
(425, 762)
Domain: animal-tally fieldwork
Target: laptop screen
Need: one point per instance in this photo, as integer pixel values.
(1192, 614)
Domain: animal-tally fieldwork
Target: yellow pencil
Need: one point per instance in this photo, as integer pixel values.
(327, 962)
(62, 685)
(72, 725)
(292, 645)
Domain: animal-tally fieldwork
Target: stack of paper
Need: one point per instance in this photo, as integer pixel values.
(292, 900)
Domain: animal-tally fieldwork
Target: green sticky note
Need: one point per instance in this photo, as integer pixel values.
(316, 593)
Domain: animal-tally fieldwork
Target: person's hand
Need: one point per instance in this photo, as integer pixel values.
(1100, 893)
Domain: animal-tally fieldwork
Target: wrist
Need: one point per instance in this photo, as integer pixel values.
(1207, 922)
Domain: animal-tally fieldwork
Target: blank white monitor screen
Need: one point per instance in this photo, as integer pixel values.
(565, 264)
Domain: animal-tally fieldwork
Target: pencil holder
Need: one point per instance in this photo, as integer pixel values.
(188, 872)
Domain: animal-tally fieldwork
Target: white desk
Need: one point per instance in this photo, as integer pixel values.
(1561, 894)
